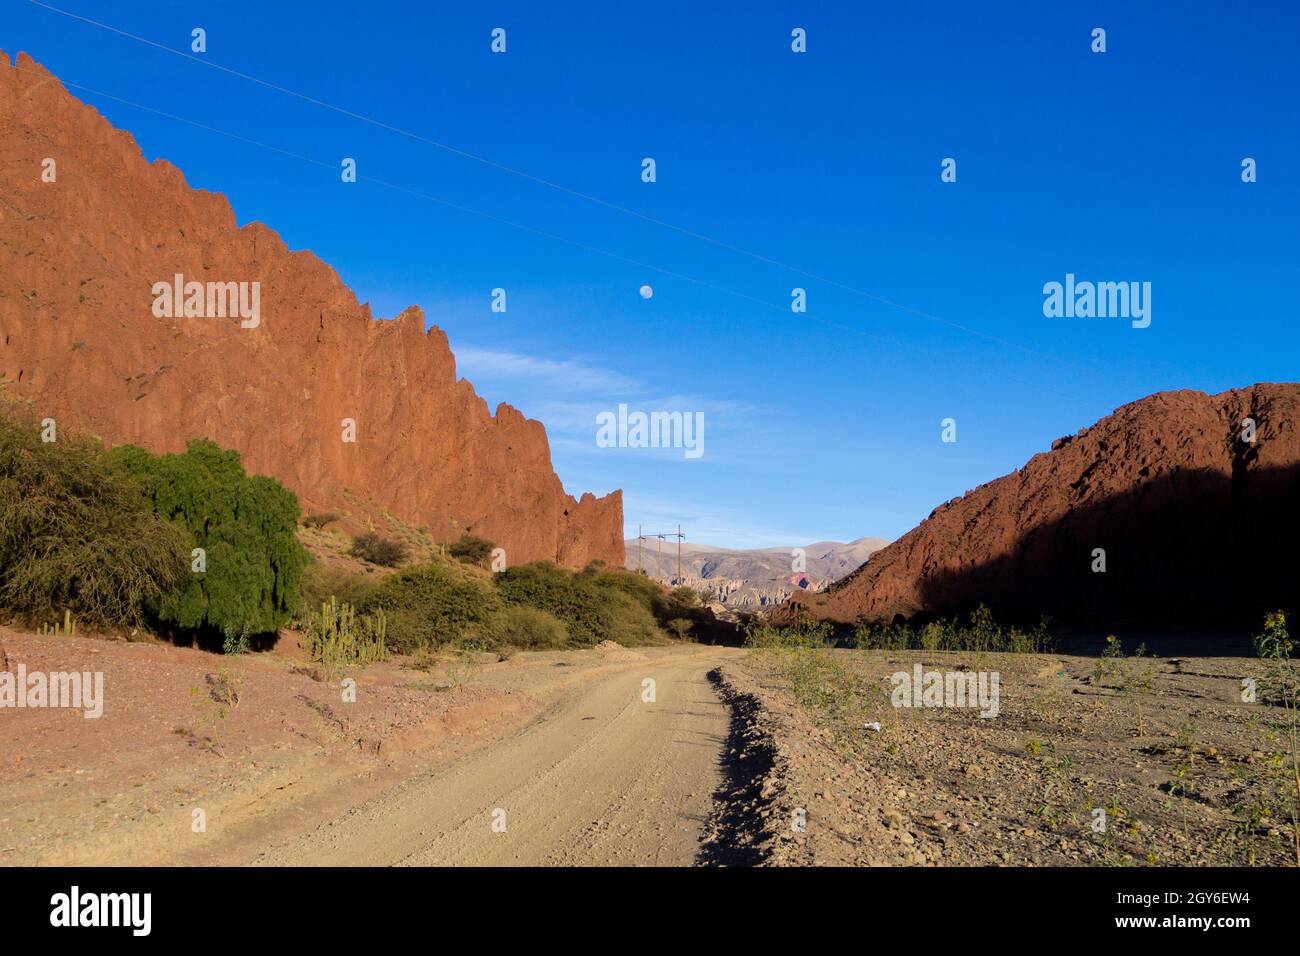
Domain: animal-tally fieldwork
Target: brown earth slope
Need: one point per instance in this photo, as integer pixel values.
(79, 257)
(1197, 525)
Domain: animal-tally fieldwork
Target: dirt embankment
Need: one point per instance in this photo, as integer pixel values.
(745, 815)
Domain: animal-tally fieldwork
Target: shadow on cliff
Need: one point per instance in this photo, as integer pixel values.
(1195, 548)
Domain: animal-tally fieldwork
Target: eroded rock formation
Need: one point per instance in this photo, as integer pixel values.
(88, 226)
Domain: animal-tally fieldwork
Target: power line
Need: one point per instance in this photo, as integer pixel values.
(417, 137)
(661, 536)
(587, 247)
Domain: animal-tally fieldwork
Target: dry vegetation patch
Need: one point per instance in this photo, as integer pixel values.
(1119, 760)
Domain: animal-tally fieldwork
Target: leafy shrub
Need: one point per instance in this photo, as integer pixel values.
(77, 535)
(680, 602)
(377, 549)
(235, 644)
(246, 526)
(1280, 777)
(538, 606)
(591, 606)
(684, 597)
(1110, 665)
(680, 627)
(471, 549)
(819, 680)
(320, 520)
(527, 627)
(624, 620)
(430, 605)
(1281, 680)
(637, 586)
(321, 581)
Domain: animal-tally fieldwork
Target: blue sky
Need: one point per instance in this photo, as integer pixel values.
(779, 170)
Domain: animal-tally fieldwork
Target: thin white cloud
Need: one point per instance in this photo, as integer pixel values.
(557, 376)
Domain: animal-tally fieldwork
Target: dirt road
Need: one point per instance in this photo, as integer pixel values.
(602, 777)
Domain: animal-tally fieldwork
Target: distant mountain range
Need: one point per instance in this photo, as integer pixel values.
(751, 579)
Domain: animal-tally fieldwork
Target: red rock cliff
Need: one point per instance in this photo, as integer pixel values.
(78, 260)
(1198, 525)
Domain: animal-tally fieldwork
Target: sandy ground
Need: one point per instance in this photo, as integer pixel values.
(602, 777)
(1175, 760)
(412, 772)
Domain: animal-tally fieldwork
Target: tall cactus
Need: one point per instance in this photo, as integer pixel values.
(338, 638)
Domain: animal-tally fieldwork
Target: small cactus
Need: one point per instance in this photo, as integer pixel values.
(67, 628)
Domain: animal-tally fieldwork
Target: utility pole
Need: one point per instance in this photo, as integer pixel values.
(659, 551)
(679, 555)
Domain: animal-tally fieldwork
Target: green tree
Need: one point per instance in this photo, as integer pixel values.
(247, 528)
(76, 535)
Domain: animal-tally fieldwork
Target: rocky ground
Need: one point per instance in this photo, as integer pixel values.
(1165, 749)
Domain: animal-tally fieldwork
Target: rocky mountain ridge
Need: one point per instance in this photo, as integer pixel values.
(751, 579)
(1179, 508)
